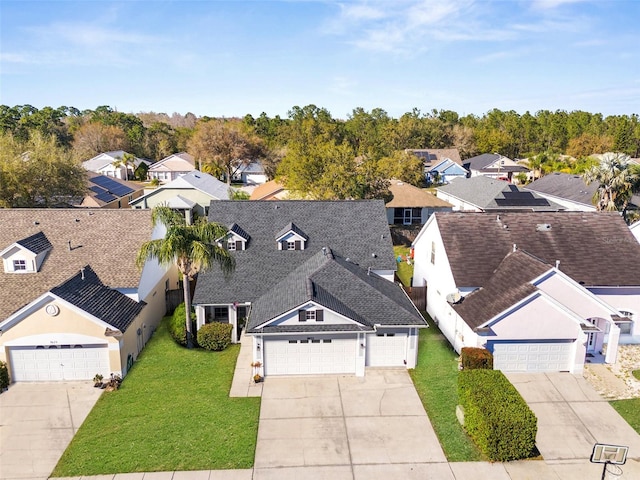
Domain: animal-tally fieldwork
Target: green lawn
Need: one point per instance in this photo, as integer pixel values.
(405, 271)
(172, 412)
(436, 380)
(629, 410)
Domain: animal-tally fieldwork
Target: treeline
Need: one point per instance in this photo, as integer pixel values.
(373, 134)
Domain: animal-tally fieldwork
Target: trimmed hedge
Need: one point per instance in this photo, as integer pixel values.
(177, 325)
(474, 358)
(215, 336)
(496, 417)
(4, 376)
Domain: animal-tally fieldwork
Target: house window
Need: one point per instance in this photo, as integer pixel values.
(433, 253)
(625, 327)
(291, 245)
(216, 314)
(231, 245)
(19, 265)
(310, 315)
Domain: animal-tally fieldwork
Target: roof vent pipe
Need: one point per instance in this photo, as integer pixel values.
(515, 247)
(82, 273)
(557, 264)
(497, 218)
(69, 245)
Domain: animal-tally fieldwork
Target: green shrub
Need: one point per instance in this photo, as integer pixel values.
(496, 417)
(177, 325)
(215, 336)
(4, 376)
(474, 358)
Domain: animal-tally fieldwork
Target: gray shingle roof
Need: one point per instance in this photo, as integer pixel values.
(510, 283)
(36, 243)
(106, 239)
(565, 185)
(87, 292)
(354, 229)
(594, 248)
(491, 194)
(340, 286)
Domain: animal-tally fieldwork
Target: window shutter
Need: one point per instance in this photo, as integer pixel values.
(302, 316)
(239, 245)
(319, 315)
(298, 245)
(283, 245)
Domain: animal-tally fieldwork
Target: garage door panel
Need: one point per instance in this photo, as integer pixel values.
(533, 357)
(30, 363)
(388, 350)
(286, 356)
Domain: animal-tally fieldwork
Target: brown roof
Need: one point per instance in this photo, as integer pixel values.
(408, 196)
(433, 156)
(594, 248)
(107, 240)
(510, 283)
(267, 191)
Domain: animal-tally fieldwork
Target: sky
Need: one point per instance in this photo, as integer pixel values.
(232, 58)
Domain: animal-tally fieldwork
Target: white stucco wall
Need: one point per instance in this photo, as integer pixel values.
(623, 299)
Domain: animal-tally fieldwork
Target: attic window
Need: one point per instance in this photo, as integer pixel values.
(291, 245)
(19, 265)
(231, 245)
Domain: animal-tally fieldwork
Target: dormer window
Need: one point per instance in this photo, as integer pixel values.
(291, 238)
(235, 239)
(26, 255)
(231, 245)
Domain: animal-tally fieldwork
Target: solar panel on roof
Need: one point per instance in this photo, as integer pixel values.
(97, 189)
(106, 197)
(112, 186)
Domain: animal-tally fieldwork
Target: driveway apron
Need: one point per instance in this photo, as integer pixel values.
(37, 422)
(572, 416)
(344, 424)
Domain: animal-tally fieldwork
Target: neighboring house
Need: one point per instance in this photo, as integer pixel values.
(411, 205)
(109, 192)
(493, 165)
(432, 156)
(541, 291)
(72, 301)
(315, 280)
(270, 190)
(635, 229)
(565, 189)
(190, 194)
(171, 167)
(250, 174)
(485, 194)
(446, 171)
(108, 164)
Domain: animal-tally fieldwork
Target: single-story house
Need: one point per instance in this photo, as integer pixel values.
(486, 194)
(433, 156)
(411, 205)
(541, 291)
(493, 165)
(313, 286)
(73, 304)
(270, 190)
(565, 189)
(250, 174)
(110, 164)
(171, 167)
(445, 172)
(110, 192)
(190, 194)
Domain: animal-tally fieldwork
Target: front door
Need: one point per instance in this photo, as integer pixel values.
(591, 338)
(407, 216)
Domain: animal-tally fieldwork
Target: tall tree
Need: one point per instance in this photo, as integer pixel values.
(617, 180)
(94, 138)
(224, 146)
(38, 172)
(192, 248)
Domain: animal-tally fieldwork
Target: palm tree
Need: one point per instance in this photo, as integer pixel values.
(617, 180)
(126, 161)
(192, 248)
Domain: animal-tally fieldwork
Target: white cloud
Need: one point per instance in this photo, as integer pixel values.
(551, 4)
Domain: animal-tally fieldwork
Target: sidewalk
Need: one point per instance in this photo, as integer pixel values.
(242, 384)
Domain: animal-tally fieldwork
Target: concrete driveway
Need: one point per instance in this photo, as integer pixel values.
(346, 427)
(37, 422)
(572, 416)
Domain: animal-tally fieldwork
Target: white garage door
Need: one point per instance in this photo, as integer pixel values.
(386, 349)
(533, 357)
(293, 356)
(63, 362)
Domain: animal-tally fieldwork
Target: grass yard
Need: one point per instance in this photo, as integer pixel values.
(436, 380)
(173, 412)
(405, 271)
(629, 410)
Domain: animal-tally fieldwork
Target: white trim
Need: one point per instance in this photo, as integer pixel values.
(306, 306)
(58, 339)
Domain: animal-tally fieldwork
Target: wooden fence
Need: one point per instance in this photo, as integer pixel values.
(418, 296)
